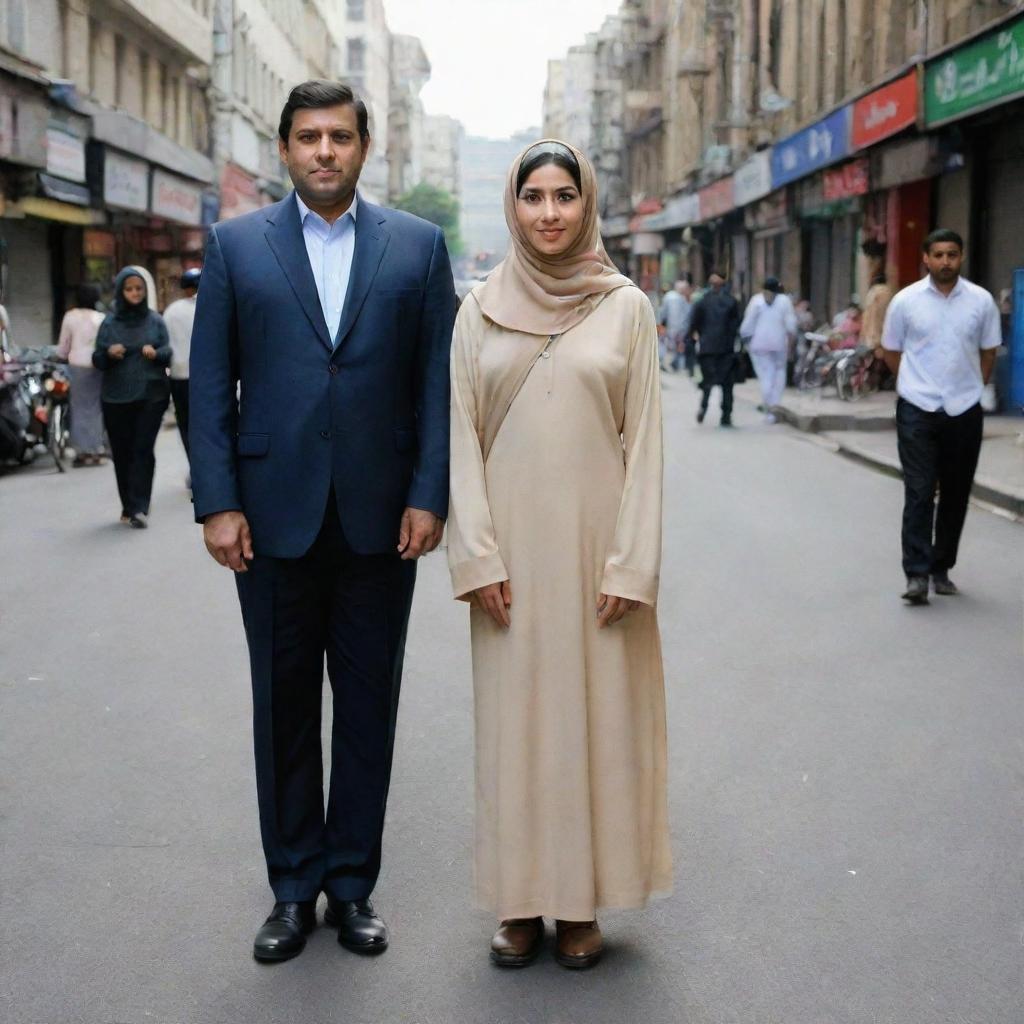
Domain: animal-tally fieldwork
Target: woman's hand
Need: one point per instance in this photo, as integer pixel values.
(495, 599)
(149, 352)
(611, 608)
(116, 351)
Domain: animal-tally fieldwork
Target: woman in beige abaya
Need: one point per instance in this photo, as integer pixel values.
(554, 537)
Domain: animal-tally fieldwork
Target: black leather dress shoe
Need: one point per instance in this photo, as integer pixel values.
(359, 927)
(283, 934)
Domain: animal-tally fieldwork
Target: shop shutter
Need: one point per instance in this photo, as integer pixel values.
(29, 293)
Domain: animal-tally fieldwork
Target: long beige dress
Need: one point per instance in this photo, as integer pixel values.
(571, 803)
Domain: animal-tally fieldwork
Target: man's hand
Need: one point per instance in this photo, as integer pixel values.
(419, 533)
(228, 539)
(149, 352)
(495, 599)
(611, 608)
(116, 351)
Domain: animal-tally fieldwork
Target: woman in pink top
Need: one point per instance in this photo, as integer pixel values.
(76, 342)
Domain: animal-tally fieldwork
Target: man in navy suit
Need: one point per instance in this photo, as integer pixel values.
(319, 439)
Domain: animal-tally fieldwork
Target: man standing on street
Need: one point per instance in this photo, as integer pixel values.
(319, 483)
(715, 321)
(674, 316)
(180, 316)
(940, 341)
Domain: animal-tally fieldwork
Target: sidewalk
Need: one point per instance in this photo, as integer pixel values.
(866, 432)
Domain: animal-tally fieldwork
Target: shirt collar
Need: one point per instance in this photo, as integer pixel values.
(305, 211)
(957, 288)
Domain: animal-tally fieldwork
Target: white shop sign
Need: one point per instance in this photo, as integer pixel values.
(753, 179)
(125, 182)
(65, 154)
(176, 199)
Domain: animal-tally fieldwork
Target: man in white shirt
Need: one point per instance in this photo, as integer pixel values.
(769, 323)
(179, 317)
(674, 316)
(940, 340)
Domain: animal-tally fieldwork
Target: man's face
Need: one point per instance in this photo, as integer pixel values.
(716, 282)
(943, 261)
(324, 154)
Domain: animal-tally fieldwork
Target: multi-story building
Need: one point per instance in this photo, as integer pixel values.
(360, 26)
(442, 146)
(410, 71)
(815, 141)
(484, 168)
(104, 146)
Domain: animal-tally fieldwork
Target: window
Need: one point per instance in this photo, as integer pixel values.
(356, 10)
(356, 56)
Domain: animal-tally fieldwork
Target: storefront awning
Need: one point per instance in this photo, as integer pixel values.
(65, 191)
(64, 213)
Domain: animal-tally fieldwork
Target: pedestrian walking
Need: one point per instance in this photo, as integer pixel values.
(674, 317)
(940, 340)
(76, 343)
(180, 316)
(555, 539)
(769, 323)
(133, 351)
(714, 323)
(320, 483)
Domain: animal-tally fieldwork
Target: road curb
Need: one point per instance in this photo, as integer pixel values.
(820, 423)
(983, 489)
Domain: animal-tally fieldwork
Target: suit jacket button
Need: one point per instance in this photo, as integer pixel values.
(333, 369)
(325, 434)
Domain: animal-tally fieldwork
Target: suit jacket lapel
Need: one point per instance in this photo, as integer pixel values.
(284, 235)
(371, 241)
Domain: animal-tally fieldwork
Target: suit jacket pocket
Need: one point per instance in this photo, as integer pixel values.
(253, 445)
(405, 440)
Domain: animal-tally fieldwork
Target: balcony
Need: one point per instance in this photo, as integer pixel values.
(185, 25)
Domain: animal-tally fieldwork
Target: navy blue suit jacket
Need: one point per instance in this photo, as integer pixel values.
(280, 411)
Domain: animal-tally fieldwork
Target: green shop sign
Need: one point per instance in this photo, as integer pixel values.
(981, 74)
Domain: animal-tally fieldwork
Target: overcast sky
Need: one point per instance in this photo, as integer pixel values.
(489, 57)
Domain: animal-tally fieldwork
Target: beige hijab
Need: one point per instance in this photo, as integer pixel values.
(546, 295)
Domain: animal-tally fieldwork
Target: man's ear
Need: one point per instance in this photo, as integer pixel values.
(282, 149)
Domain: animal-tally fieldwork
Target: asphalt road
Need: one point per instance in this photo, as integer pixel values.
(847, 775)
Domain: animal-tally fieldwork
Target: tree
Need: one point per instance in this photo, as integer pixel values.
(437, 206)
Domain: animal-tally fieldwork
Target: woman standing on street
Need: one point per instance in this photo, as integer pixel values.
(555, 538)
(76, 343)
(133, 351)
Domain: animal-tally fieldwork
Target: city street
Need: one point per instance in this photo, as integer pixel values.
(847, 774)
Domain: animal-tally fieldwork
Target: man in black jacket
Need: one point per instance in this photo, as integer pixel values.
(715, 321)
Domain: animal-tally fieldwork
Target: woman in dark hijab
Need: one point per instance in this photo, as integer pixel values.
(133, 351)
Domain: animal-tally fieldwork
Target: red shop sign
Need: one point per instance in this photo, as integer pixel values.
(885, 112)
(846, 181)
(717, 199)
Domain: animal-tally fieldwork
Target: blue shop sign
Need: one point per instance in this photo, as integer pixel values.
(818, 146)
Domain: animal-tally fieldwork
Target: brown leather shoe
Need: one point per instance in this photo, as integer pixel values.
(517, 942)
(579, 943)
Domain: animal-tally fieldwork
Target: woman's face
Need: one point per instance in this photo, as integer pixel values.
(549, 209)
(134, 290)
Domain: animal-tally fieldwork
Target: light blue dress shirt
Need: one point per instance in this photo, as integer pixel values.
(330, 248)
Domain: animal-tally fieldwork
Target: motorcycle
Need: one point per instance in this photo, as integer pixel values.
(44, 388)
(15, 415)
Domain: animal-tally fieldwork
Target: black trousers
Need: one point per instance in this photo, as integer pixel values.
(353, 609)
(937, 451)
(717, 369)
(179, 392)
(132, 429)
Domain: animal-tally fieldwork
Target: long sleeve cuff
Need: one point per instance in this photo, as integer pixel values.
(475, 573)
(632, 584)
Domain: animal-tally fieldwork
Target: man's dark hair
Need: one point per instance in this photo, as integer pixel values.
(716, 273)
(942, 235)
(86, 296)
(318, 94)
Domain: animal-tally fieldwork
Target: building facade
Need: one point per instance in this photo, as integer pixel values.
(816, 140)
(104, 146)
